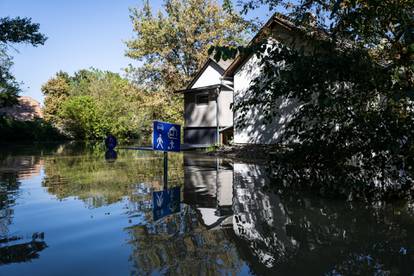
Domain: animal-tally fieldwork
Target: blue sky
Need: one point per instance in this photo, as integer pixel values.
(81, 34)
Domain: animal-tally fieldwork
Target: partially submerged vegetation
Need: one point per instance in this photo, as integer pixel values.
(12, 130)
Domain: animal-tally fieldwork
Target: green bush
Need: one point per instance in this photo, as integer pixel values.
(36, 130)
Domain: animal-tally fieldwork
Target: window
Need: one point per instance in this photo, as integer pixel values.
(202, 99)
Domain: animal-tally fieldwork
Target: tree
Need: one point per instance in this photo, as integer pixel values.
(14, 30)
(355, 88)
(92, 103)
(56, 91)
(173, 44)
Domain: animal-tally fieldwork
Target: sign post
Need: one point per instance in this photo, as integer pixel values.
(165, 170)
(165, 138)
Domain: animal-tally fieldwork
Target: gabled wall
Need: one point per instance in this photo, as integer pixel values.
(255, 130)
(205, 115)
(210, 76)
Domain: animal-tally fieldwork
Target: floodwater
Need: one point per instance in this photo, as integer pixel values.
(66, 210)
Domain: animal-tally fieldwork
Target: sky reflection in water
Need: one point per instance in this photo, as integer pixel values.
(66, 210)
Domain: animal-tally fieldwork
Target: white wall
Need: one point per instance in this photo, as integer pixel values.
(210, 76)
(199, 115)
(225, 112)
(255, 131)
(205, 115)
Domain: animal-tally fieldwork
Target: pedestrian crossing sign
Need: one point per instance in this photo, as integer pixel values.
(166, 136)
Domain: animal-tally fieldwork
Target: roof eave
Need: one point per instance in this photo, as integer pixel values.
(198, 89)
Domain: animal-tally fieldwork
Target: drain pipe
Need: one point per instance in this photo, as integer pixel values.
(217, 117)
(222, 84)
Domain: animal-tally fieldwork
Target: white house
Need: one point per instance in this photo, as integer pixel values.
(207, 99)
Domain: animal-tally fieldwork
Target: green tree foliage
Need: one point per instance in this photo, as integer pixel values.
(92, 103)
(173, 44)
(56, 91)
(355, 85)
(14, 30)
(82, 118)
(37, 130)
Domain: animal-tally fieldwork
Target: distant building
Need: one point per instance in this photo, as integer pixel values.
(207, 99)
(27, 109)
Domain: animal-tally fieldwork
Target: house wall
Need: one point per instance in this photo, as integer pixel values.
(225, 112)
(256, 131)
(200, 120)
(200, 135)
(210, 76)
(205, 115)
(199, 115)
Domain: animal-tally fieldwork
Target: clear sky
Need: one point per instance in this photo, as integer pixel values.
(81, 34)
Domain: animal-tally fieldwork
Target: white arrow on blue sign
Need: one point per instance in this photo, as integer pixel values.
(166, 136)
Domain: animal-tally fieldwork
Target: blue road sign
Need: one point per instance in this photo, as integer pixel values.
(166, 202)
(110, 142)
(166, 136)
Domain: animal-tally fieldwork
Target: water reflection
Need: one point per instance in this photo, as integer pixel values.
(298, 234)
(12, 252)
(14, 169)
(230, 221)
(111, 155)
(208, 187)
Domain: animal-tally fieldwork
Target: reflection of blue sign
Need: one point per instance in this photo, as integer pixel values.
(166, 137)
(166, 202)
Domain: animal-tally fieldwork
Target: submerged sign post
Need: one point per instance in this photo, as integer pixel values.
(166, 202)
(166, 137)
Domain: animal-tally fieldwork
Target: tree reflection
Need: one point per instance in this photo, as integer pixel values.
(234, 216)
(81, 171)
(271, 232)
(14, 168)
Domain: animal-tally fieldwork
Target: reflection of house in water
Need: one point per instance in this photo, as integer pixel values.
(12, 250)
(259, 216)
(13, 169)
(232, 196)
(208, 187)
(24, 167)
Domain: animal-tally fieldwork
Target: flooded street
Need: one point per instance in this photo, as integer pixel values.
(66, 210)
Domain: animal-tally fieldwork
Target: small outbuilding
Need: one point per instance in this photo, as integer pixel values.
(208, 118)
